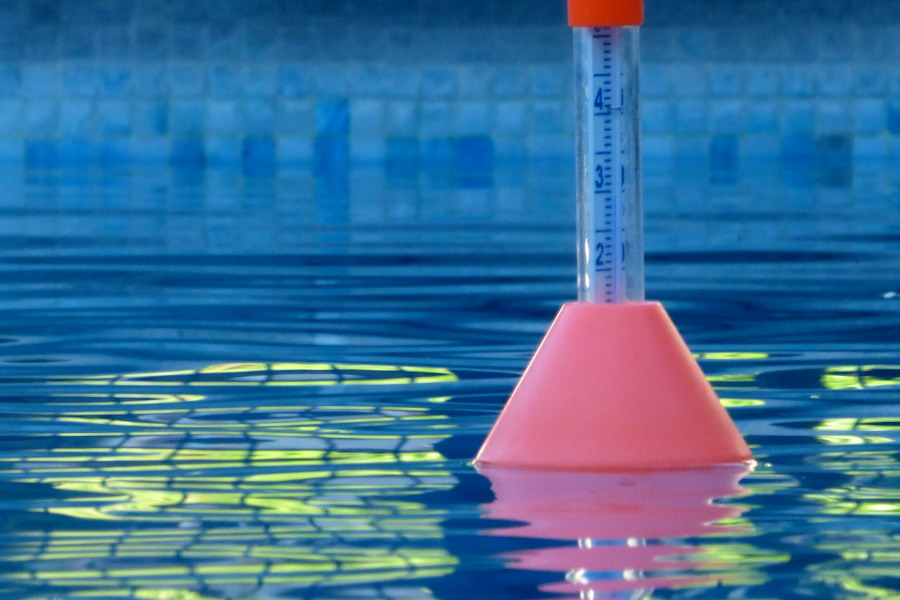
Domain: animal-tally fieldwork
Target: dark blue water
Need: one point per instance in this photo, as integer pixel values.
(221, 385)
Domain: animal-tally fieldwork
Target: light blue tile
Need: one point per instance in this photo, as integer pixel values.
(657, 116)
(550, 146)
(547, 118)
(114, 81)
(367, 81)
(260, 80)
(798, 81)
(11, 111)
(551, 80)
(437, 119)
(474, 118)
(11, 151)
(223, 151)
(689, 81)
(835, 80)
(511, 117)
(41, 117)
(76, 117)
(869, 116)
(331, 81)
(187, 79)
(151, 150)
(869, 148)
(295, 117)
(656, 81)
(295, 150)
(657, 147)
(761, 116)
(725, 80)
(293, 81)
(398, 83)
(39, 80)
(259, 117)
(79, 80)
(727, 116)
(761, 80)
(150, 80)
(833, 117)
(402, 118)
(368, 117)
(224, 81)
(513, 149)
(187, 117)
(151, 117)
(114, 118)
(870, 79)
(224, 116)
(798, 117)
(368, 149)
(476, 81)
(691, 116)
(511, 82)
(438, 82)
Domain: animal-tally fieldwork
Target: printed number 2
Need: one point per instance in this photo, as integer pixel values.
(600, 249)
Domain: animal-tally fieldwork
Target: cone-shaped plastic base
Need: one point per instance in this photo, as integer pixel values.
(613, 387)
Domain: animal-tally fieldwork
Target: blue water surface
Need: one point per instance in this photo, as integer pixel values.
(220, 384)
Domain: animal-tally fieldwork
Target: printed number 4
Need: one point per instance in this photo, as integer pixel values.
(598, 99)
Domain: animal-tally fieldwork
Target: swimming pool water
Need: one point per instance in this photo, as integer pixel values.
(224, 386)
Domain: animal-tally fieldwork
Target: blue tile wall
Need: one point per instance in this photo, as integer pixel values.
(325, 83)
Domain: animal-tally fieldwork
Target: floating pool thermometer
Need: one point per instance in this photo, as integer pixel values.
(612, 387)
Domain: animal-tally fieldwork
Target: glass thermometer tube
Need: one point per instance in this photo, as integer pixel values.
(610, 229)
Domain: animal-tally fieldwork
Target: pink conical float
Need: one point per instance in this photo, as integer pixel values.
(613, 387)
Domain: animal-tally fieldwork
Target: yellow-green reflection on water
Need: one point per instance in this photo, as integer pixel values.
(275, 374)
(858, 377)
(186, 495)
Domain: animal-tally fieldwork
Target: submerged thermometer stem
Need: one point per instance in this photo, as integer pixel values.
(610, 231)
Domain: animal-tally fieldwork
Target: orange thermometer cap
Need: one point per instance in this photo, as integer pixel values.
(606, 13)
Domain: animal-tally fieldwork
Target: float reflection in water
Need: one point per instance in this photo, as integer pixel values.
(616, 531)
(201, 494)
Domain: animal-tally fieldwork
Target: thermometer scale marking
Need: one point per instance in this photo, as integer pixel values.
(606, 149)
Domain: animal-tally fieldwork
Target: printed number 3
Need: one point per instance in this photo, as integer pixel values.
(599, 179)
